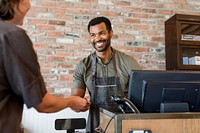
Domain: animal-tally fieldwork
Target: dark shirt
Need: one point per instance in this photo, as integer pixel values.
(20, 78)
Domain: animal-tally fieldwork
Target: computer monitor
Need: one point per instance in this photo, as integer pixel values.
(154, 91)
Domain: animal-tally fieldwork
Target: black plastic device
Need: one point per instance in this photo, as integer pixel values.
(123, 103)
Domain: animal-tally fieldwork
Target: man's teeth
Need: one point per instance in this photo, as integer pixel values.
(99, 43)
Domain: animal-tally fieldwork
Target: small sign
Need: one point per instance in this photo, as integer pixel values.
(139, 131)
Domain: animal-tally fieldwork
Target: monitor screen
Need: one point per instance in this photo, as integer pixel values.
(164, 91)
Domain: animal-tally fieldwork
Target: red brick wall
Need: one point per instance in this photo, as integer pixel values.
(58, 29)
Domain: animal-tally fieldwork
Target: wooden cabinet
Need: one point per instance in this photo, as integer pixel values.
(182, 42)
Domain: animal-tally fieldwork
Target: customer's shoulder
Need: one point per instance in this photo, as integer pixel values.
(6, 28)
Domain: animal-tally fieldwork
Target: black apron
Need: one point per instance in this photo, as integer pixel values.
(101, 92)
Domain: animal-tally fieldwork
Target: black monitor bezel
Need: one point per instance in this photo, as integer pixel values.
(138, 76)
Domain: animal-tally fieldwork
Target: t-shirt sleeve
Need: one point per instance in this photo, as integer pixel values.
(78, 81)
(22, 67)
(129, 63)
(134, 64)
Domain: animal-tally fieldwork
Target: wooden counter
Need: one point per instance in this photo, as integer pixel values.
(155, 122)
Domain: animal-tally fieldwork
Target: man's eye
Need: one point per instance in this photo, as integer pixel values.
(92, 35)
(103, 33)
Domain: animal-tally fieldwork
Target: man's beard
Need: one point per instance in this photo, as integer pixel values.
(106, 46)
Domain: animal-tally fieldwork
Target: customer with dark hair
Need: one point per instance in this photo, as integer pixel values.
(104, 72)
(20, 79)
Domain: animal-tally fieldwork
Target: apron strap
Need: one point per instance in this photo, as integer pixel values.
(94, 61)
(115, 67)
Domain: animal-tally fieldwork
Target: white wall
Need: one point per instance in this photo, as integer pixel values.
(34, 122)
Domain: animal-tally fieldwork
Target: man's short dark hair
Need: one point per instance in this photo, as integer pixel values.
(99, 20)
(6, 9)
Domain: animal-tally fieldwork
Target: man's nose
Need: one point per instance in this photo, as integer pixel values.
(97, 37)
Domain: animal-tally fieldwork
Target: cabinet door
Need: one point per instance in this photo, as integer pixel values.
(189, 57)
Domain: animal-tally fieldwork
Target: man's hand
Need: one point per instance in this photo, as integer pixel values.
(79, 104)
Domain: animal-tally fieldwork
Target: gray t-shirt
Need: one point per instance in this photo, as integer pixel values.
(20, 78)
(124, 64)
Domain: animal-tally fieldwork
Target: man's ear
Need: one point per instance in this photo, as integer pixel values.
(111, 33)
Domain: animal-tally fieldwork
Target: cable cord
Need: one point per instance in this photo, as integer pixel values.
(109, 123)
